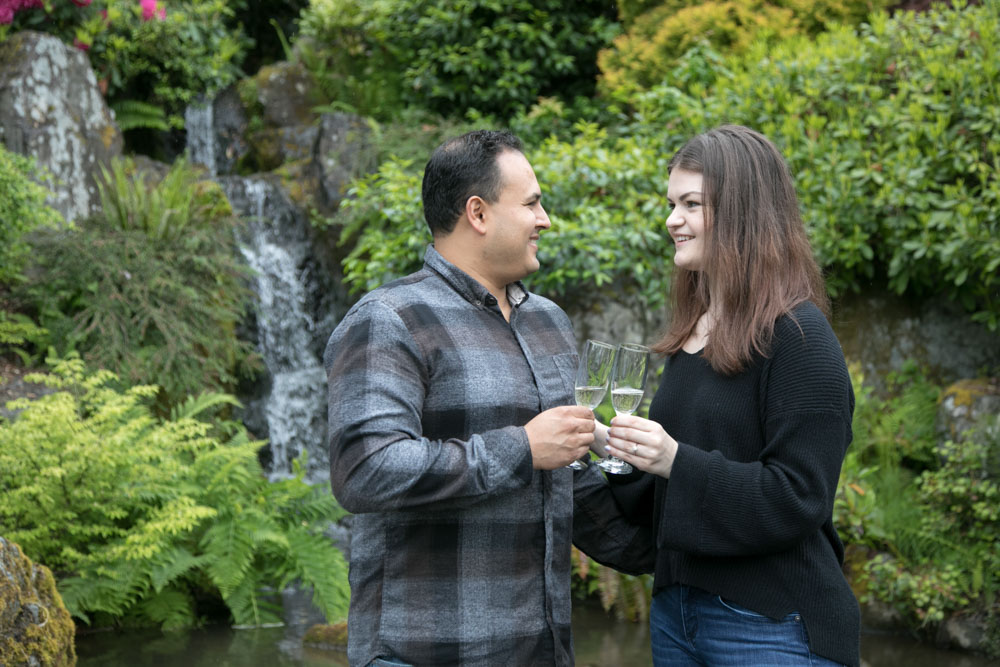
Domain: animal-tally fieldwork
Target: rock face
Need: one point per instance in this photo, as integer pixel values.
(35, 628)
(52, 110)
(967, 405)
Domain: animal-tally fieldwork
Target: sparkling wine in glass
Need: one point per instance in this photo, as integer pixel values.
(628, 381)
(592, 378)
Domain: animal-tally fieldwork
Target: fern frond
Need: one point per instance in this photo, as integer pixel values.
(171, 609)
(135, 114)
(171, 564)
(321, 565)
(195, 405)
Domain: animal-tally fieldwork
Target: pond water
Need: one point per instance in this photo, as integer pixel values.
(601, 641)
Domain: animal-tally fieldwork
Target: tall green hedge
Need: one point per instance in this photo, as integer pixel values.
(453, 55)
(892, 133)
(658, 33)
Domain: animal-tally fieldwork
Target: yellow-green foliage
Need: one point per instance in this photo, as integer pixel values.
(140, 516)
(333, 635)
(645, 55)
(24, 639)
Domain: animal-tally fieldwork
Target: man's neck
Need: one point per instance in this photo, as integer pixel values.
(471, 267)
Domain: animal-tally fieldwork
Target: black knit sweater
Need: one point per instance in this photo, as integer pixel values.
(747, 511)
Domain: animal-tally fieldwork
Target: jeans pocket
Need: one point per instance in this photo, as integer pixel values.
(742, 611)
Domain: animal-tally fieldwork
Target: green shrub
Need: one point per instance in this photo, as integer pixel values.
(141, 517)
(167, 62)
(892, 133)
(924, 515)
(22, 209)
(604, 196)
(153, 290)
(944, 559)
(647, 54)
(454, 55)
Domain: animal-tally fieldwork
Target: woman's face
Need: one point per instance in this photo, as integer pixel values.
(686, 222)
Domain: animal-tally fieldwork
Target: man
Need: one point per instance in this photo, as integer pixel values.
(451, 423)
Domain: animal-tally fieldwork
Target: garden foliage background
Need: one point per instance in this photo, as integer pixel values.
(889, 121)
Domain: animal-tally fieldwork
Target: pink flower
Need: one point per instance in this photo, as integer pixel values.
(10, 7)
(83, 46)
(82, 3)
(152, 8)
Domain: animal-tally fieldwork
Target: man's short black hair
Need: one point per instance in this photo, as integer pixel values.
(460, 168)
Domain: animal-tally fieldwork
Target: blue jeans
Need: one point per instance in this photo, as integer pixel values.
(688, 626)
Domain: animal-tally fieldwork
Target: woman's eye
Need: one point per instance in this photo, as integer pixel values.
(692, 204)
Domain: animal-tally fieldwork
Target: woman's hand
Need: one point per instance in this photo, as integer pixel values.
(643, 443)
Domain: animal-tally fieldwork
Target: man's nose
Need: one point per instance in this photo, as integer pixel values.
(543, 219)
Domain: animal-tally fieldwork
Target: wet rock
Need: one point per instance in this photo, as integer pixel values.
(881, 331)
(969, 408)
(344, 152)
(285, 92)
(327, 637)
(35, 628)
(52, 109)
(961, 632)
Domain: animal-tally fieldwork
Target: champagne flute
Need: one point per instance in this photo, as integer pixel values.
(628, 382)
(592, 378)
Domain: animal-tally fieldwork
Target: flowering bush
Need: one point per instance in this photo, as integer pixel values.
(144, 50)
(10, 7)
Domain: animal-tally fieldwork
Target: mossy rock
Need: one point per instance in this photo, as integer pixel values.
(329, 637)
(35, 628)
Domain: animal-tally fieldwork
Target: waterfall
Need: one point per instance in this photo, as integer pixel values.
(199, 120)
(275, 243)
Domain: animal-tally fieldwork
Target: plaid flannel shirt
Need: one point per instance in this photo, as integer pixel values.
(460, 550)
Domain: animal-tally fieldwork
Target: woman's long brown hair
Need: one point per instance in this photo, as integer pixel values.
(758, 263)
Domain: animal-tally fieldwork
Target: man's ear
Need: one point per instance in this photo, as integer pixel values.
(475, 213)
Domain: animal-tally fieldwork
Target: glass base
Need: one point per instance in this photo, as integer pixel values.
(615, 466)
(577, 465)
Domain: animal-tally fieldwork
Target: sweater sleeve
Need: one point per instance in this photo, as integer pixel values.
(721, 507)
(602, 531)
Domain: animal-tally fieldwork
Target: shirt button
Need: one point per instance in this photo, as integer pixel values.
(478, 302)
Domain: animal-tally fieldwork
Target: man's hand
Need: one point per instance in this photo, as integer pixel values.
(559, 436)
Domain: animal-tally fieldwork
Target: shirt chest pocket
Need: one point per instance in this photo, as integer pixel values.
(563, 380)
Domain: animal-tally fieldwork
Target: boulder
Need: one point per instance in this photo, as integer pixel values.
(52, 109)
(970, 408)
(344, 151)
(35, 628)
(286, 93)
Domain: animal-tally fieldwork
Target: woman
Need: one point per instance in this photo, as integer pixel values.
(748, 429)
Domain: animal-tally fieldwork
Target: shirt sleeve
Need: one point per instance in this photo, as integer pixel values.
(721, 507)
(379, 460)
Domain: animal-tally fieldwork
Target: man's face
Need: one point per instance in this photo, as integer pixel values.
(514, 221)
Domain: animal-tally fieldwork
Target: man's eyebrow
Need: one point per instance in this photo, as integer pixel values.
(533, 197)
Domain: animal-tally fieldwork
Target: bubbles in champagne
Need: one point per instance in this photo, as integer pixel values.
(590, 396)
(625, 400)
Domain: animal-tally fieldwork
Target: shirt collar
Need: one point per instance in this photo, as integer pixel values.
(470, 288)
